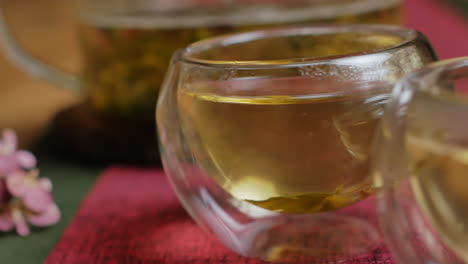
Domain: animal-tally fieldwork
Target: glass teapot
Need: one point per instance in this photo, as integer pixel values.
(127, 44)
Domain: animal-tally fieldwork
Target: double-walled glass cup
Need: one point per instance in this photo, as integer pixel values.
(421, 165)
(265, 135)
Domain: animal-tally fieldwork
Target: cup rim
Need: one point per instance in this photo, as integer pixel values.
(422, 81)
(408, 35)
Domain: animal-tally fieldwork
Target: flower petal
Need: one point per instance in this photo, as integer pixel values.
(17, 184)
(25, 159)
(8, 164)
(9, 141)
(37, 200)
(49, 217)
(21, 225)
(46, 184)
(6, 222)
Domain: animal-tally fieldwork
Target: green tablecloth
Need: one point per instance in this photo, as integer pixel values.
(71, 183)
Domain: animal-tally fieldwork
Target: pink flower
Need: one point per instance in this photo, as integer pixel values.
(32, 203)
(34, 192)
(12, 159)
(18, 216)
(24, 197)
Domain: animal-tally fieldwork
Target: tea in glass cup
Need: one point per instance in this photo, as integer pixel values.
(422, 165)
(266, 135)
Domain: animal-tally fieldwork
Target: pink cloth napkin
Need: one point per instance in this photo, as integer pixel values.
(132, 216)
(445, 28)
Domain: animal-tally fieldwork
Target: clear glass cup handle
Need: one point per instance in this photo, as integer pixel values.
(29, 63)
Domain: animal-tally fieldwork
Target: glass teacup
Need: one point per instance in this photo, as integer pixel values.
(421, 165)
(266, 135)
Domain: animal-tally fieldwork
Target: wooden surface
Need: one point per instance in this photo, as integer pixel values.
(46, 29)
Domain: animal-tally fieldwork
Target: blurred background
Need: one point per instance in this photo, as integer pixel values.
(46, 28)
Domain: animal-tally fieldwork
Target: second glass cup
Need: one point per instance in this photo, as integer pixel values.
(421, 166)
(266, 135)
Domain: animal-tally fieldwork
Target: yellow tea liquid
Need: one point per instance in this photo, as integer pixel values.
(283, 153)
(295, 145)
